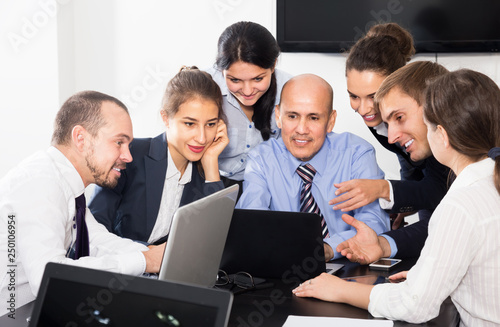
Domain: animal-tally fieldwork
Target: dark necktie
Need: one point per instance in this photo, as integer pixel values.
(82, 234)
(307, 202)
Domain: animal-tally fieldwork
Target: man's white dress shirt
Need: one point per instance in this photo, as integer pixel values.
(38, 198)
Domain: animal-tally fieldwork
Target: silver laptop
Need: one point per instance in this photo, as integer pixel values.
(197, 237)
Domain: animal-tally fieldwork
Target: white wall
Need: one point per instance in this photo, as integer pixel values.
(130, 49)
(29, 96)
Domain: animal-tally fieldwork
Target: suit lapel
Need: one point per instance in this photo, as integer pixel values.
(156, 169)
(192, 189)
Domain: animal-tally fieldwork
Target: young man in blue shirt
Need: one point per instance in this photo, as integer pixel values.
(306, 118)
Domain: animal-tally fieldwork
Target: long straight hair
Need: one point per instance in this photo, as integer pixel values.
(252, 43)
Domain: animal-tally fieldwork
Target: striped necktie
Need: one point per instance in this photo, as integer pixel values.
(307, 202)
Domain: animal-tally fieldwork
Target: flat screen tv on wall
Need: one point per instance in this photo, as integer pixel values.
(436, 25)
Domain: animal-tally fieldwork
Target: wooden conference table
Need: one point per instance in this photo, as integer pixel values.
(272, 306)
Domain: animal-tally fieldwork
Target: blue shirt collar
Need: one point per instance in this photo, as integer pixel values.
(318, 161)
(218, 78)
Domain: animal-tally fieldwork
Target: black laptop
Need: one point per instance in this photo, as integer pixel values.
(75, 296)
(274, 244)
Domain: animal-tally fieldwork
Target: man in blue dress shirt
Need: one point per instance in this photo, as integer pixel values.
(306, 118)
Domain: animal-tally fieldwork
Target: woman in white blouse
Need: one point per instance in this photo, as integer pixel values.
(461, 257)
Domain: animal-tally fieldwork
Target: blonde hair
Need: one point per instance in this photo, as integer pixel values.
(411, 79)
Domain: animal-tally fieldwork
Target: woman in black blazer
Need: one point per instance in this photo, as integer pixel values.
(385, 49)
(172, 169)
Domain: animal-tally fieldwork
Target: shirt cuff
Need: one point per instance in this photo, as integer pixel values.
(133, 263)
(392, 244)
(334, 241)
(384, 204)
(376, 295)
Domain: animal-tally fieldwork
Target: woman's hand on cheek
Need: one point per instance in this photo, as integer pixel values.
(221, 140)
(210, 159)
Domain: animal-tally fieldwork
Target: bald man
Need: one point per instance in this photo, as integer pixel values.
(297, 172)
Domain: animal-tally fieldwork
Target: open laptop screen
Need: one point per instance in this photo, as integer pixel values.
(274, 244)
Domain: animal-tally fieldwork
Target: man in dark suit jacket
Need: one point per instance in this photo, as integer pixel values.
(409, 196)
(422, 186)
(399, 100)
(131, 208)
(409, 170)
(423, 195)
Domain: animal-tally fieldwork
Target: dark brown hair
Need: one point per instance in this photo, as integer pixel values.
(190, 83)
(411, 79)
(84, 109)
(467, 105)
(384, 49)
(252, 43)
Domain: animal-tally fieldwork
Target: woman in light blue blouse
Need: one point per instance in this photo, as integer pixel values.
(245, 71)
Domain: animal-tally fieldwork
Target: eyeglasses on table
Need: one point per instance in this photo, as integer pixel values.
(240, 282)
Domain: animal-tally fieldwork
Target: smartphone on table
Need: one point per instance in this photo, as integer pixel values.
(384, 264)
